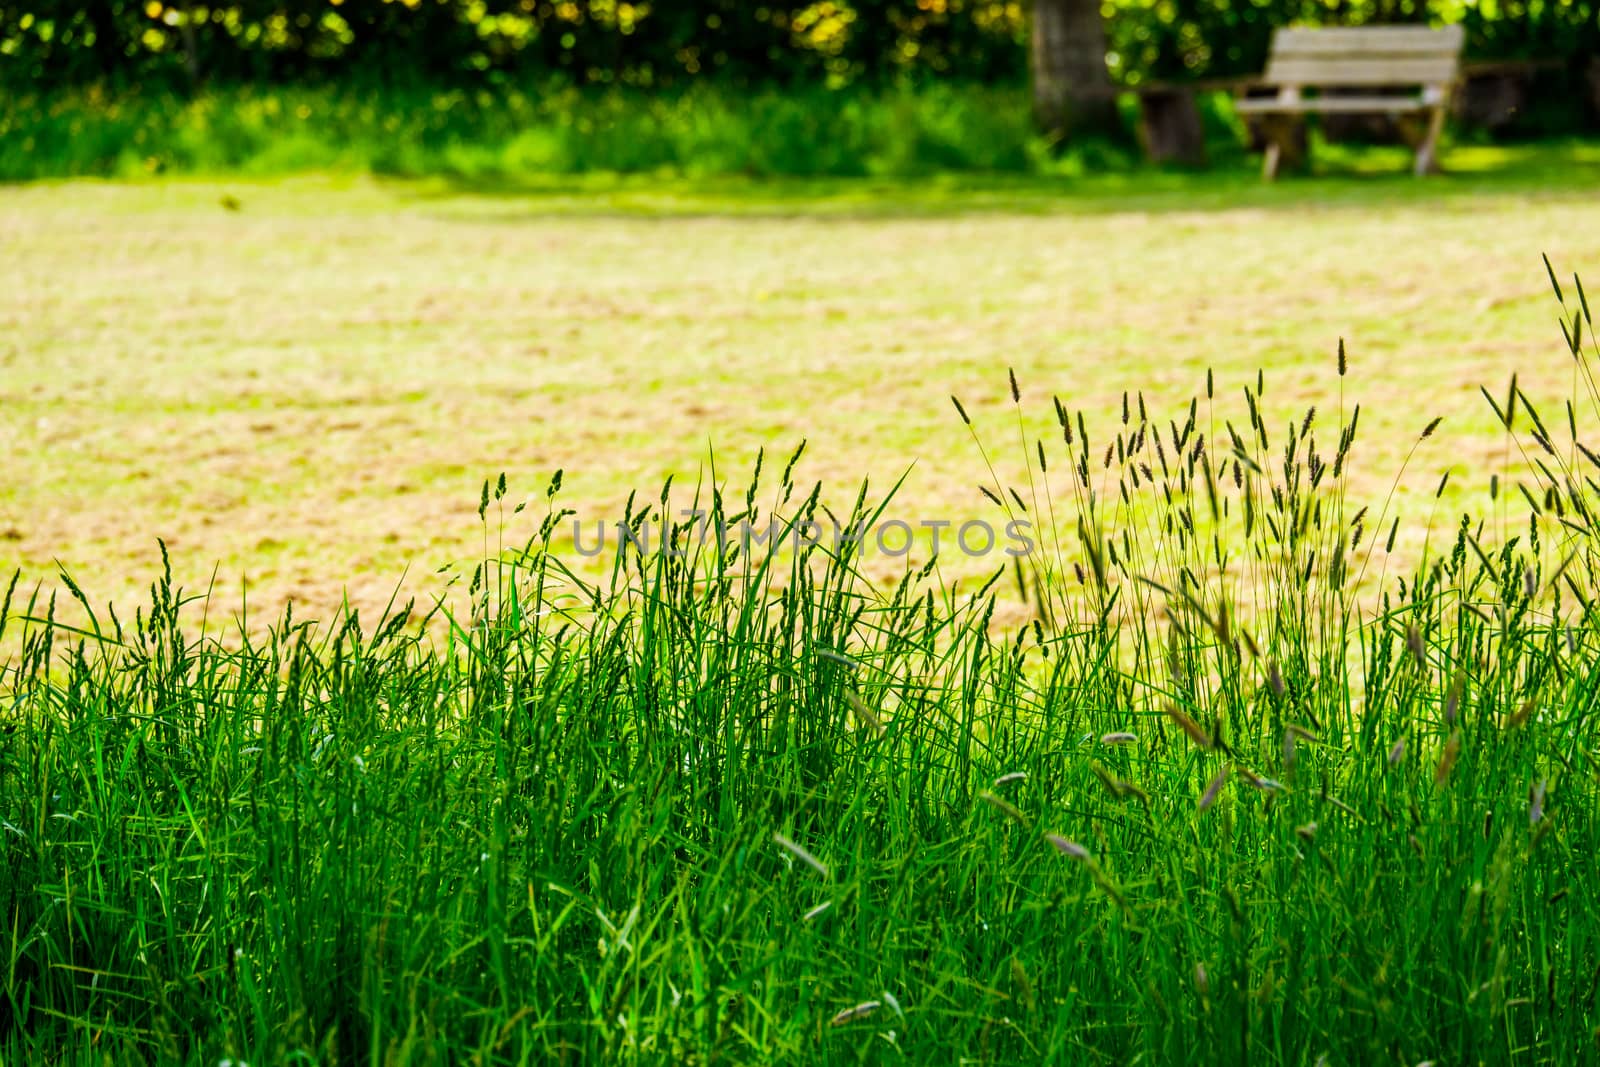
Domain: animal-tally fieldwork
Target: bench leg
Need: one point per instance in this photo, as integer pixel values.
(1283, 144)
(1427, 160)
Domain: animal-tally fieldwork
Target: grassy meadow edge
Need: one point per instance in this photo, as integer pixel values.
(732, 806)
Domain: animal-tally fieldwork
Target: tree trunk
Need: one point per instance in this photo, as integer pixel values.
(1072, 92)
(1593, 74)
(1170, 126)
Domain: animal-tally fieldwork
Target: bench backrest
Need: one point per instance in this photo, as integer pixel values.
(1365, 56)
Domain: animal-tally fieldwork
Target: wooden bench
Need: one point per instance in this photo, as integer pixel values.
(1407, 72)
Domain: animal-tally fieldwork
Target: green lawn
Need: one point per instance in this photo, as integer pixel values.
(304, 382)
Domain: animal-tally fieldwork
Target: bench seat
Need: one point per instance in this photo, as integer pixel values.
(1335, 105)
(1378, 70)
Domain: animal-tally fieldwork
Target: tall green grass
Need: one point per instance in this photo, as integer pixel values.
(419, 130)
(1210, 803)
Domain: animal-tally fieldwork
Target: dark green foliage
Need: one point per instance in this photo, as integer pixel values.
(701, 130)
(49, 43)
(588, 41)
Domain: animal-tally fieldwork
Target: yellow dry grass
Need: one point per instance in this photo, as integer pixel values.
(307, 393)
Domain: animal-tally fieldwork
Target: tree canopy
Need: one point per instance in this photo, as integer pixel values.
(666, 42)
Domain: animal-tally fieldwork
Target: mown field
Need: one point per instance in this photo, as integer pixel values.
(304, 382)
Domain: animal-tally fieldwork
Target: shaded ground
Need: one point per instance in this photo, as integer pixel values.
(309, 391)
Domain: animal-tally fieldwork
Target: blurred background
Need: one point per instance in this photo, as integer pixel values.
(335, 263)
(834, 88)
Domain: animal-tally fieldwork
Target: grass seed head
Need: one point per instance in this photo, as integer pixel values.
(1275, 680)
(865, 715)
(1452, 701)
(1120, 788)
(1004, 807)
(1067, 848)
(1447, 759)
(1214, 790)
(801, 854)
(1188, 725)
(1019, 976)
(1256, 781)
(851, 1014)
